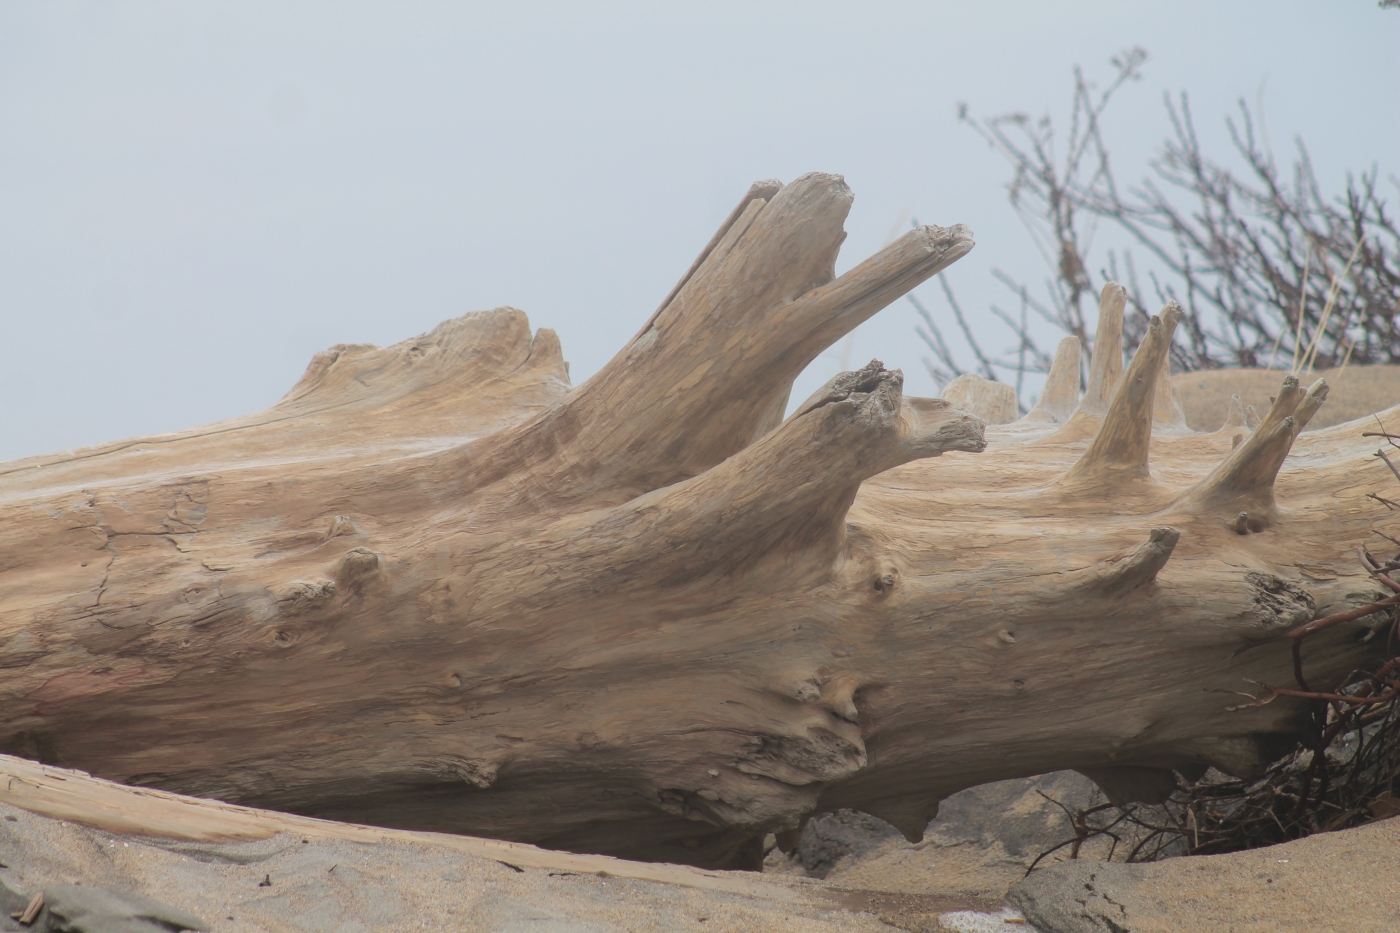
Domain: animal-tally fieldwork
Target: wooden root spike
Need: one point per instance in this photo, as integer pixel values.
(824, 315)
(931, 427)
(710, 374)
(798, 482)
(1283, 404)
(1166, 407)
(924, 427)
(1235, 417)
(844, 385)
(1121, 445)
(1246, 477)
(1317, 394)
(1061, 393)
(1141, 567)
(1106, 361)
(759, 191)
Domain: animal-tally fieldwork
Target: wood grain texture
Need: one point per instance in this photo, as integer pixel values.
(436, 588)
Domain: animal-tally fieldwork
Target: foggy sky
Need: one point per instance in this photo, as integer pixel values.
(196, 198)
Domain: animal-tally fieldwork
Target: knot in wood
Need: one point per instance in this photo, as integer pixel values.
(302, 596)
(357, 564)
(1277, 603)
(342, 525)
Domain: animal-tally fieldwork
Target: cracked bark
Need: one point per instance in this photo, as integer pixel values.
(435, 587)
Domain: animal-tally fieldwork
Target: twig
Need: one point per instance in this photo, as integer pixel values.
(1275, 692)
(967, 331)
(1384, 501)
(1229, 250)
(1316, 788)
(30, 913)
(1374, 569)
(933, 337)
(1381, 454)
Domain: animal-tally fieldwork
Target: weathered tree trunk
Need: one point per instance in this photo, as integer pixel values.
(436, 588)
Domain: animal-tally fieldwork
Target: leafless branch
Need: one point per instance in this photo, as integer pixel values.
(1267, 267)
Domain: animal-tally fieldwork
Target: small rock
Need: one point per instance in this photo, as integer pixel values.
(1078, 897)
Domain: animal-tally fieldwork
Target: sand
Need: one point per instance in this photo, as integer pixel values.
(1344, 882)
(1355, 392)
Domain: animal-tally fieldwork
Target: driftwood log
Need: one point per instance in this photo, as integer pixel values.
(435, 588)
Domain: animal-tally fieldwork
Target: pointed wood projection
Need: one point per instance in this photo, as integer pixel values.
(437, 588)
(1106, 364)
(1060, 396)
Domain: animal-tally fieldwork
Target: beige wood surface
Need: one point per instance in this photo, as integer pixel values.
(436, 588)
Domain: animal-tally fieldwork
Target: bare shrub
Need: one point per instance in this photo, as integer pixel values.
(1271, 271)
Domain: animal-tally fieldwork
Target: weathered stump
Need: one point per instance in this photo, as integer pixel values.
(434, 587)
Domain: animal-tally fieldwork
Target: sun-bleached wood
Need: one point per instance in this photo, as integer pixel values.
(1167, 408)
(437, 588)
(1106, 362)
(1246, 477)
(993, 402)
(1060, 395)
(1235, 419)
(1119, 447)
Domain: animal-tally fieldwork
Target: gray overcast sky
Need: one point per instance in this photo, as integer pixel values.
(196, 197)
